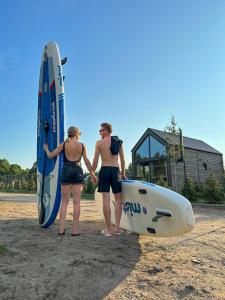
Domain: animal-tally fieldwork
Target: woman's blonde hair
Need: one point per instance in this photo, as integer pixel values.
(72, 131)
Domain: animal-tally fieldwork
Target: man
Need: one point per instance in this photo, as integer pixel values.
(110, 175)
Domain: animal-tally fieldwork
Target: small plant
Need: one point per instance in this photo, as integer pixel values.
(3, 249)
(189, 189)
(213, 190)
(162, 182)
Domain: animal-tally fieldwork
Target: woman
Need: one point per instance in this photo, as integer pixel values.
(72, 174)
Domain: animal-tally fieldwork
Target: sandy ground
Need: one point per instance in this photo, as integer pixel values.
(41, 265)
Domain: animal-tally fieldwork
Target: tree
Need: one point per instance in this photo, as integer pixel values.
(15, 169)
(172, 126)
(4, 166)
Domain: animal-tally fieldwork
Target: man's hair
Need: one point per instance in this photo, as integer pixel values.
(107, 126)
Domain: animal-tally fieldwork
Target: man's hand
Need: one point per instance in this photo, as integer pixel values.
(123, 177)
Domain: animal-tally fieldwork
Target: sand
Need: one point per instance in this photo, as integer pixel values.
(41, 265)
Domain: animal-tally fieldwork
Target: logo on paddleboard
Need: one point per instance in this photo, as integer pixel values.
(53, 117)
(60, 76)
(133, 208)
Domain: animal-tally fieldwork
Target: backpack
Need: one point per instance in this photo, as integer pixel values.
(115, 145)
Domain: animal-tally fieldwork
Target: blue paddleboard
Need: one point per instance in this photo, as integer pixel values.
(50, 130)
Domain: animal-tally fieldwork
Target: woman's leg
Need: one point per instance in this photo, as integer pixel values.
(65, 189)
(76, 207)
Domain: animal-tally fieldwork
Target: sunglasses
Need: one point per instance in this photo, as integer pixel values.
(101, 130)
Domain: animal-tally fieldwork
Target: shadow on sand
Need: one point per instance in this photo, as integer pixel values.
(42, 265)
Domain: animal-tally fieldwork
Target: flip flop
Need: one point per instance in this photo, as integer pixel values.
(118, 233)
(106, 233)
(75, 234)
(61, 233)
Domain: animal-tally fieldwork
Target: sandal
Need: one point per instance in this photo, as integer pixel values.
(105, 233)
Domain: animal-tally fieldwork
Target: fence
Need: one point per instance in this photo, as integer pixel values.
(18, 183)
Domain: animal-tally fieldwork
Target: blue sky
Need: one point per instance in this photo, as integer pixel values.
(132, 63)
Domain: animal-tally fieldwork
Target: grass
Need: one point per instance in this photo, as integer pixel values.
(3, 249)
(88, 196)
(16, 191)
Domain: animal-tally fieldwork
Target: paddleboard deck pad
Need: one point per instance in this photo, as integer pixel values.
(150, 209)
(50, 130)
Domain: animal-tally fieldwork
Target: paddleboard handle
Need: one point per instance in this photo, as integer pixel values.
(142, 191)
(160, 214)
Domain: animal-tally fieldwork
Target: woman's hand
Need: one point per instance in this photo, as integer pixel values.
(45, 147)
(94, 179)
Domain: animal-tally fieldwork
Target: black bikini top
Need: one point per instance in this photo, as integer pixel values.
(75, 161)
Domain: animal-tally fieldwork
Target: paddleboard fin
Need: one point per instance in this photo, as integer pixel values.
(160, 214)
(63, 61)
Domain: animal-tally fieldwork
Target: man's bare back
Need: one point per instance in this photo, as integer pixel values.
(106, 156)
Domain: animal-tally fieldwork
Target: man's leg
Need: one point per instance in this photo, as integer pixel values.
(118, 211)
(76, 207)
(107, 211)
(65, 200)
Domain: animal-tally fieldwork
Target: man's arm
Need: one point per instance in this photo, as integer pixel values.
(122, 162)
(53, 153)
(96, 156)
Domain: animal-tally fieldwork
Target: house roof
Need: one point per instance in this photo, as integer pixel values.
(175, 140)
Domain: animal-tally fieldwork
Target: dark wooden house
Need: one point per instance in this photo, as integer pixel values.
(156, 156)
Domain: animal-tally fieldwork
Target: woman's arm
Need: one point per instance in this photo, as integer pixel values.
(88, 165)
(55, 152)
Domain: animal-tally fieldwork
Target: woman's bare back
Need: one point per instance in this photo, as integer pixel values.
(73, 150)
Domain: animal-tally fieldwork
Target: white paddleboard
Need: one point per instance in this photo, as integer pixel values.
(151, 209)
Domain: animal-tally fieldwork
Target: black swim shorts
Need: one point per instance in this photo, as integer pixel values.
(109, 176)
(71, 174)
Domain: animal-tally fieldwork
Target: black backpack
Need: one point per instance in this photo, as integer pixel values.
(115, 145)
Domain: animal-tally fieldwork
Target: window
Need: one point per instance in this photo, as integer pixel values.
(143, 172)
(158, 150)
(143, 151)
(158, 170)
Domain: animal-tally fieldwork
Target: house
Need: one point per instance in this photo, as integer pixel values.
(157, 156)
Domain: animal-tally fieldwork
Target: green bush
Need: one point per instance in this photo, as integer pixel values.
(189, 189)
(162, 182)
(89, 187)
(213, 190)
